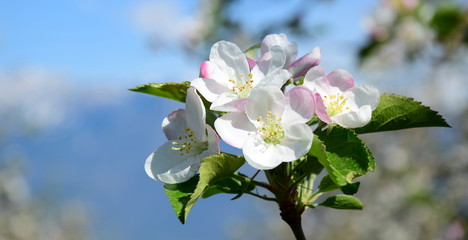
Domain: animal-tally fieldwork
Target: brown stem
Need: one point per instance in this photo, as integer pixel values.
(292, 216)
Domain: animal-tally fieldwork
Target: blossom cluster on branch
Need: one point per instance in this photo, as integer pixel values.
(291, 121)
(258, 113)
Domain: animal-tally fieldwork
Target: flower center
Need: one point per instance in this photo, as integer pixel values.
(188, 144)
(335, 104)
(242, 87)
(271, 129)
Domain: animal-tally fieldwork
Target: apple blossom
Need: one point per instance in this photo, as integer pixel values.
(338, 100)
(190, 140)
(273, 129)
(297, 67)
(226, 79)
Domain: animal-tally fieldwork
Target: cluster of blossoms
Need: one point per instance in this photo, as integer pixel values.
(264, 107)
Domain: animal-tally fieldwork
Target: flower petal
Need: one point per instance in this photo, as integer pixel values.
(234, 128)
(174, 123)
(289, 48)
(297, 141)
(213, 139)
(302, 65)
(272, 60)
(354, 119)
(320, 109)
(252, 63)
(314, 78)
(261, 155)
(300, 105)
(341, 78)
(276, 78)
(229, 59)
(366, 95)
(209, 88)
(167, 165)
(228, 102)
(265, 100)
(195, 114)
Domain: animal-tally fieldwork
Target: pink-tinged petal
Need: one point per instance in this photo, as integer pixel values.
(366, 95)
(209, 88)
(272, 60)
(195, 114)
(167, 165)
(213, 139)
(289, 48)
(264, 101)
(252, 63)
(174, 123)
(354, 119)
(229, 59)
(341, 78)
(320, 109)
(300, 105)
(313, 77)
(261, 155)
(206, 69)
(297, 141)
(306, 62)
(228, 102)
(275, 78)
(234, 128)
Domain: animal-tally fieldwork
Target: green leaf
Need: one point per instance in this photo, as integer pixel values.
(171, 90)
(351, 188)
(179, 195)
(397, 112)
(317, 149)
(327, 185)
(251, 52)
(309, 165)
(229, 185)
(342, 202)
(344, 155)
(213, 168)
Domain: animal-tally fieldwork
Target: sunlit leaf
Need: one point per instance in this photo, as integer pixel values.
(213, 168)
(179, 195)
(228, 185)
(344, 155)
(171, 90)
(397, 112)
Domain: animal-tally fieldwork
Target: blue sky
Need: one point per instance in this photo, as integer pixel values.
(67, 66)
(103, 42)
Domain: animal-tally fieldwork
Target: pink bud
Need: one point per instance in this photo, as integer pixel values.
(252, 63)
(206, 69)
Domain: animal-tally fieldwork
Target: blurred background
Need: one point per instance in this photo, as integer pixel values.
(73, 139)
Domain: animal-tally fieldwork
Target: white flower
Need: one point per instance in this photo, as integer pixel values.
(190, 140)
(226, 79)
(273, 129)
(297, 67)
(342, 103)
